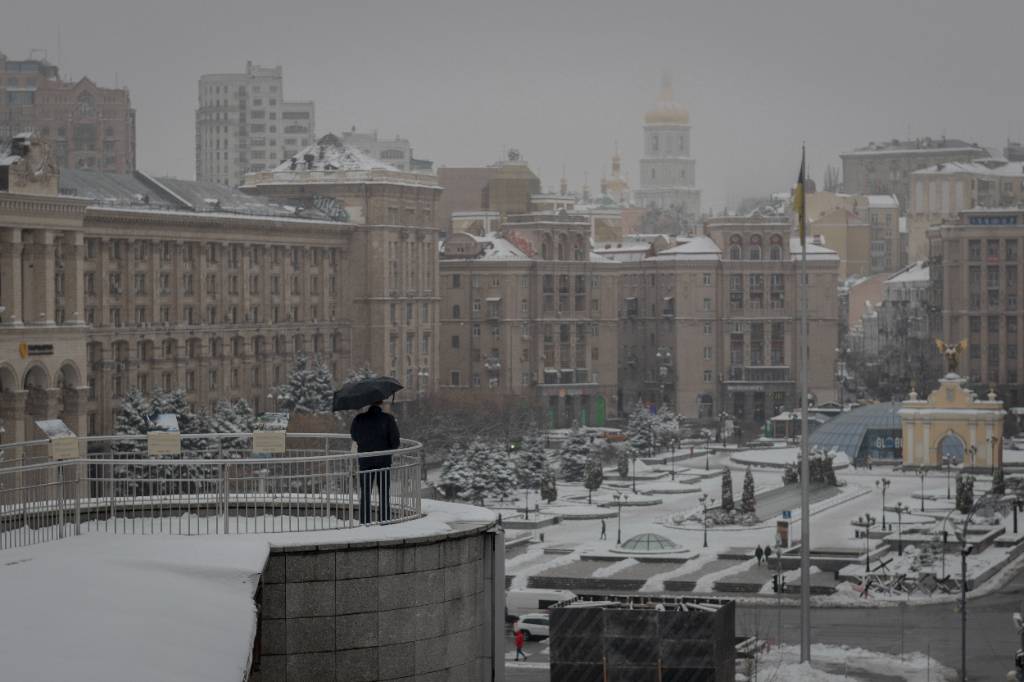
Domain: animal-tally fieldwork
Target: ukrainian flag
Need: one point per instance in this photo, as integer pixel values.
(799, 204)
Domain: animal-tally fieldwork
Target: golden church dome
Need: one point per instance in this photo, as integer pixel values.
(667, 111)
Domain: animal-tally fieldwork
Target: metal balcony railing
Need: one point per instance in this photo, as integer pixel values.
(217, 485)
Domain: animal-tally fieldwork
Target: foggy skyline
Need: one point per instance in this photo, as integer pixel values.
(562, 83)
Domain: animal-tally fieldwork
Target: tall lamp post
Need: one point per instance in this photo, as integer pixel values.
(993, 444)
(868, 522)
(620, 499)
(922, 473)
(883, 484)
(707, 453)
(901, 509)
(947, 461)
(705, 501)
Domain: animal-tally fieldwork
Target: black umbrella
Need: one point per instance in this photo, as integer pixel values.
(358, 394)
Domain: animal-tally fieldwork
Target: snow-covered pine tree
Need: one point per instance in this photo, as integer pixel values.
(358, 373)
(999, 482)
(304, 392)
(640, 430)
(548, 486)
(968, 500)
(478, 478)
(727, 503)
(502, 472)
(574, 454)
(131, 420)
(622, 463)
(593, 476)
(323, 381)
(666, 427)
(531, 460)
(454, 473)
(747, 501)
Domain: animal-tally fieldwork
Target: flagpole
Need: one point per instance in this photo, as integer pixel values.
(805, 468)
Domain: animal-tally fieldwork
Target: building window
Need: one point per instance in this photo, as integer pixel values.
(707, 305)
(455, 378)
(455, 342)
(707, 352)
(707, 329)
(707, 376)
(456, 312)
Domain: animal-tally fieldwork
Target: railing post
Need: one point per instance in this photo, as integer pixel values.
(224, 494)
(60, 501)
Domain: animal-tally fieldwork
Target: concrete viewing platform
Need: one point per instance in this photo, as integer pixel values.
(387, 602)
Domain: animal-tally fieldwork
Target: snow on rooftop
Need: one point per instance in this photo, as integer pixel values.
(494, 247)
(915, 272)
(883, 201)
(331, 154)
(1012, 170)
(693, 248)
(814, 251)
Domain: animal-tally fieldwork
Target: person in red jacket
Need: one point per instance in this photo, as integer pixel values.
(520, 640)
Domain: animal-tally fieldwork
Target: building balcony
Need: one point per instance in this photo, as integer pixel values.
(761, 374)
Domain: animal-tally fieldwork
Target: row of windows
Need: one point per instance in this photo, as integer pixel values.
(143, 250)
(190, 315)
(1009, 251)
(141, 280)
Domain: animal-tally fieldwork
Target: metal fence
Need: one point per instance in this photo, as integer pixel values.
(217, 485)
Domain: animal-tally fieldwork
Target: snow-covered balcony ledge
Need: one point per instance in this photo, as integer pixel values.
(369, 600)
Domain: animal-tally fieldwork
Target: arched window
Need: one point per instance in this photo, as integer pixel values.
(755, 247)
(775, 250)
(735, 247)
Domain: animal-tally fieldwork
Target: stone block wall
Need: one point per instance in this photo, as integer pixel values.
(416, 609)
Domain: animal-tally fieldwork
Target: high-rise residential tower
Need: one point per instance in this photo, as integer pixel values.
(244, 124)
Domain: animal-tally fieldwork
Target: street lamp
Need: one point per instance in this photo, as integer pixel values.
(704, 501)
(868, 522)
(947, 461)
(423, 374)
(883, 484)
(493, 367)
(922, 473)
(901, 509)
(974, 453)
(721, 426)
(993, 443)
(620, 499)
(707, 452)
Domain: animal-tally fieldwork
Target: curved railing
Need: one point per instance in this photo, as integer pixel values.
(217, 484)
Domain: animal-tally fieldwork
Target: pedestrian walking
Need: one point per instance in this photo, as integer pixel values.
(767, 553)
(520, 640)
(374, 431)
(603, 530)
(759, 554)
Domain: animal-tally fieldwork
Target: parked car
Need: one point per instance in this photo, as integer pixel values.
(535, 625)
(519, 602)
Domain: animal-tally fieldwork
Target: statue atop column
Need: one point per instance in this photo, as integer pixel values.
(951, 353)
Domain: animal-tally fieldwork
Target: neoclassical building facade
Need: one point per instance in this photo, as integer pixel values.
(128, 281)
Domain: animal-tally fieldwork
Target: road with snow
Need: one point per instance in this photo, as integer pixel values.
(933, 630)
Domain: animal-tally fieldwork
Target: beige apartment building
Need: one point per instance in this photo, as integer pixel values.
(849, 236)
(940, 192)
(880, 211)
(143, 282)
(976, 268)
(709, 325)
(885, 167)
(529, 310)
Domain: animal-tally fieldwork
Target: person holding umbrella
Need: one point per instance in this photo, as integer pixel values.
(373, 431)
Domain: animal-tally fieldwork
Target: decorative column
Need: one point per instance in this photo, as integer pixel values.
(74, 277)
(11, 248)
(37, 276)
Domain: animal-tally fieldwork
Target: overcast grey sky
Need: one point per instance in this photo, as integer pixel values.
(563, 80)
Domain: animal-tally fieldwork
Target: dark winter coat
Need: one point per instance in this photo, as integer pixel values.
(373, 431)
